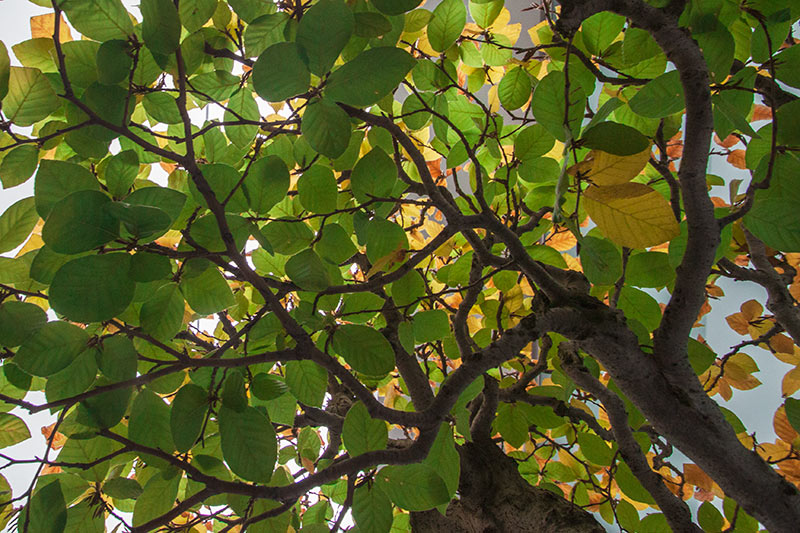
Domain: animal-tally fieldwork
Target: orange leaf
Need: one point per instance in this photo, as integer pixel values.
(783, 429)
(782, 343)
(44, 25)
(729, 141)
(791, 382)
(562, 240)
(694, 475)
(752, 309)
(736, 158)
(762, 112)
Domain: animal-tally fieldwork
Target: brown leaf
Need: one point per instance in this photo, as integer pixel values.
(694, 474)
(729, 141)
(736, 158)
(762, 112)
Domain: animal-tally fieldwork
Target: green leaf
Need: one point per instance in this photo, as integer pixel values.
(195, 13)
(79, 223)
(120, 172)
(207, 292)
(157, 498)
(430, 326)
(640, 306)
(632, 488)
(162, 107)
(383, 239)
(249, 443)
(614, 138)
(444, 458)
(242, 104)
(30, 97)
(307, 381)
(362, 433)
(58, 179)
(372, 509)
(82, 517)
(267, 386)
(263, 32)
(335, 245)
(326, 127)
(100, 20)
(659, 98)
(142, 222)
(323, 33)
(449, 18)
(515, 88)
(18, 321)
(700, 356)
(485, 12)
(168, 200)
(595, 449)
(364, 349)
(80, 60)
(122, 488)
(307, 270)
(280, 73)
(118, 360)
(718, 49)
(793, 413)
(149, 422)
(414, 487)
(12, 430)
(374, 175)
(601, 260)
(113, 62)
(786, 64)
(46, 512)
(774, 217)
(73, 380)
(548, 104)
(93, 288)
(368, 77)
(187, 416)
(18, 165)
(5, 70)
(395, 7)
(600, 30)
(53, 348)
(649, 269)
(318, 190)
(16, 223)
(533, 142)
(788, 123)
(371, 25)
(512, 424)
(161, 27)
(709, 517)
(267, 183)
(106, 409)
(146, 266)
(162, 314)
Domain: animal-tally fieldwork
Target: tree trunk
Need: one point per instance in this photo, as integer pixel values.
(494, 498)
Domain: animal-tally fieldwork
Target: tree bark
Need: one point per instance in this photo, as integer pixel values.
(495, 498)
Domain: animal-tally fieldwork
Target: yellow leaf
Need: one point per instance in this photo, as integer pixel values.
(494, 100)
(783, 429)
(610, 169)
(631, 214)
(791, 382)
(43, 26)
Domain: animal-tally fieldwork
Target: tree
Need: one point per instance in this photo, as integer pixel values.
(433, 260)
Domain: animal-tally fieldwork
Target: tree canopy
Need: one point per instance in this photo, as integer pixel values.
(325, 264)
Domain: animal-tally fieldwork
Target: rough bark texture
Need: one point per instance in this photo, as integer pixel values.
(494, 498)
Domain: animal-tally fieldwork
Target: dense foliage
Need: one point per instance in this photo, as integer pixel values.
(438, 265)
